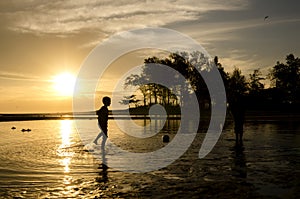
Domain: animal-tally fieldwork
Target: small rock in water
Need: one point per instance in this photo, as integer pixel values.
(28, 130)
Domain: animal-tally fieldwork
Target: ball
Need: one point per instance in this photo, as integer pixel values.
(165, 138)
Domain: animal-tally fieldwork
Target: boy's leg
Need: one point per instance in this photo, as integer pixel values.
(98, 136)
(104, 138)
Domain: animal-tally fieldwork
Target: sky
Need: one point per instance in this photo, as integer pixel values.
(41, 39)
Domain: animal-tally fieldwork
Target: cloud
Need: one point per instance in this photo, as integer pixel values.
(71, 17)
(18, 76)
(246, 43)
(239, 58)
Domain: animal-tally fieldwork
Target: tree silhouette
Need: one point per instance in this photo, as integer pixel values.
(240, 91)
(224, 75)
(130, 100)
(255, 85)
(286, 79)
(237, 84)
(183, 63)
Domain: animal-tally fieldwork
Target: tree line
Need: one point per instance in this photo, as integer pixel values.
(283, 91)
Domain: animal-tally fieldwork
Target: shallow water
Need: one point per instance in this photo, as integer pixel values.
(50, 162)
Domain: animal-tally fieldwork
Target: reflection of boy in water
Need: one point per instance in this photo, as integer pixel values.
(102, 120)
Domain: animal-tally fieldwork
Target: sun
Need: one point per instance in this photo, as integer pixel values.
(64, 83)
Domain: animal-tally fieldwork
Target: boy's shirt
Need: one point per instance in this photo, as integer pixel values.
(103, 118)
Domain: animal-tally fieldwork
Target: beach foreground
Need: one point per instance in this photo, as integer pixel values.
(50, 162)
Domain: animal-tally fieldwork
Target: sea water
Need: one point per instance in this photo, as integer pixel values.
(50, 162)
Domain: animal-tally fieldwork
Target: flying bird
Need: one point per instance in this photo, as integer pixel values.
(266, 17)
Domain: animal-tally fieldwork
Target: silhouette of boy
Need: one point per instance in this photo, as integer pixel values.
(102, 120)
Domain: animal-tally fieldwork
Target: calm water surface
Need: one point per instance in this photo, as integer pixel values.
(50, 162)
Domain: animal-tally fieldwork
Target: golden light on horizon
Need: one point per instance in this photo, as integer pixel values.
(64, 83)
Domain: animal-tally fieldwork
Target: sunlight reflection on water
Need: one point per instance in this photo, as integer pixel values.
(49, 162)
(66, 127)
(65, 131)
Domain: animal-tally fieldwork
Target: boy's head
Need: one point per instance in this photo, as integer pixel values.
(106, 101)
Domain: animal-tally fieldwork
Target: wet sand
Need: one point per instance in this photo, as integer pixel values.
(265, 167)
(227, 172)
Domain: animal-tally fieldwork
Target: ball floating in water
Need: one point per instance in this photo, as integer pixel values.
(165, 138)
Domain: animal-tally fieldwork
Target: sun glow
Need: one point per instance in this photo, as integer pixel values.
(64, 84)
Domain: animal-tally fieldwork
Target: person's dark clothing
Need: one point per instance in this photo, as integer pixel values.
(237, 107)
(103, 118)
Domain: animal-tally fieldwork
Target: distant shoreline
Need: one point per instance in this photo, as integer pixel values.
(71, 117)
(250, 116)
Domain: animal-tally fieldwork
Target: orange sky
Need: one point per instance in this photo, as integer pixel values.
(41, 39)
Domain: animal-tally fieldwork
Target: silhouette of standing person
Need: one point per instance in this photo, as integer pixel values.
(238, 113)
(102, 121)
